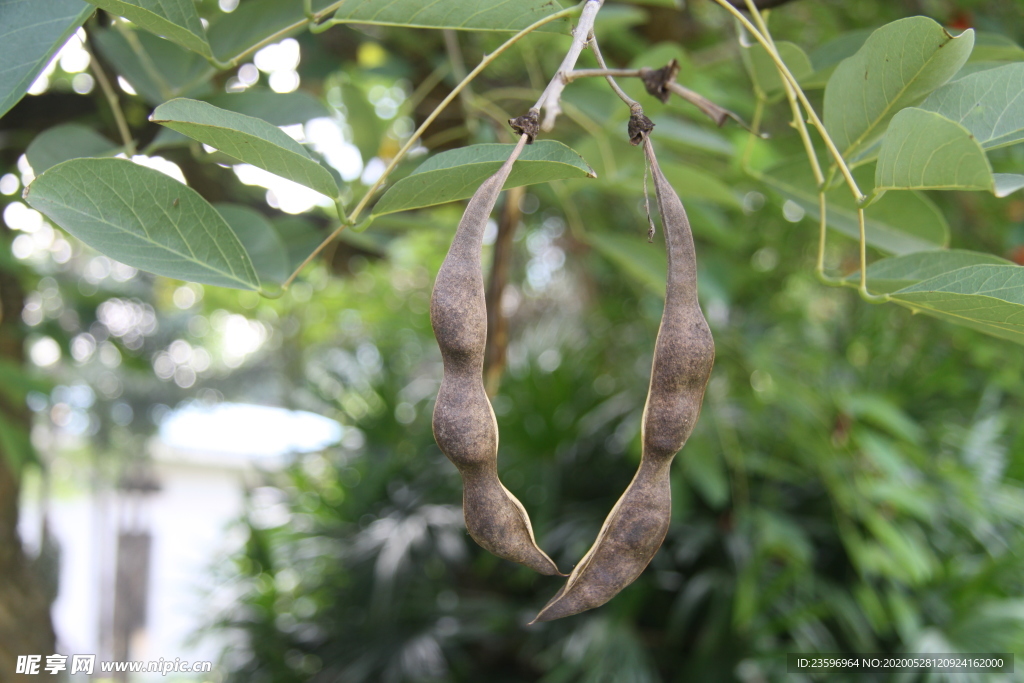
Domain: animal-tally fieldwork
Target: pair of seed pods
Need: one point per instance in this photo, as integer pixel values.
(466, 430)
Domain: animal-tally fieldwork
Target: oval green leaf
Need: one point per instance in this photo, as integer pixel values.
(67, 141)
(176, 20)
(482, 15)
(247, 139)
(891, 274)
(923, 150)
(145, 219)
(989, 298)
(900, 223)
(898, 65)
(456, 174)
(266, 250)
(31, 32)
(989, 103)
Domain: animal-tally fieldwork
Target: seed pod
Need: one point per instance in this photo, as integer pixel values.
(683, 356)
(464, 425)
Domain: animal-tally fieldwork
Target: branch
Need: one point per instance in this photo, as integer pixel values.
(368, 195)
(113, 101)
(787, 75)
(549, 99)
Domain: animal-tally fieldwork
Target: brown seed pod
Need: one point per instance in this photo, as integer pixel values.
(464, 425)
(683, 356)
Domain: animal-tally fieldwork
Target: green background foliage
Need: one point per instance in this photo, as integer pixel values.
(854, 483)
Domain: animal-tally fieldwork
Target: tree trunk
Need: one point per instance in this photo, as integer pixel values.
(25, 626)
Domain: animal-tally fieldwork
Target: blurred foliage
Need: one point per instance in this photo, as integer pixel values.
(854, 484)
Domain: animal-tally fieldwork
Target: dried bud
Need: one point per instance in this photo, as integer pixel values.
(656, 80)
(528, 124)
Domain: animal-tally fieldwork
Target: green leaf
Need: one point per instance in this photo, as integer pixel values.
(456, 174)
(279, 109)
(898, 65)
(923, 150)
(160, 71)
(247, 139)
(266, 250)
(1005, 183)
(990, 104)
(481, 15)
(143, 218)
(67, 141)
(644, 261)
(765, 75)
(31, 33)
(176, 20)
(897, 223)
(989, 298)
(891, 274)
(995, 47)
(256, 21)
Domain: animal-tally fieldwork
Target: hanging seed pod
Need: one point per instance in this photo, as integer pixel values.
(464, 425)
(683, 356)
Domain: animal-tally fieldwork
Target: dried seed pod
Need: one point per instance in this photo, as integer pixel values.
(683, 356)
(464, 423)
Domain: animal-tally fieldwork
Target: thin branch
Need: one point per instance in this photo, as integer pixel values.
(368, 195)
(759, 4)
(548, 102)
(600, 73)
(863, 289)
(791, 94)
(662, 79)
(630, 102)
(113, 101)
(787, 75)
(798, 119)
(145, 60)
(577, 115)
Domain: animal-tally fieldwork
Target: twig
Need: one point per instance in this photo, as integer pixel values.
(577, 115)
(313, 21)
(787, 75)
(548, 103)
(144, 60)
(630, 102)
(659, 83)
(113, 101)
(600, 73)
(368, 195)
